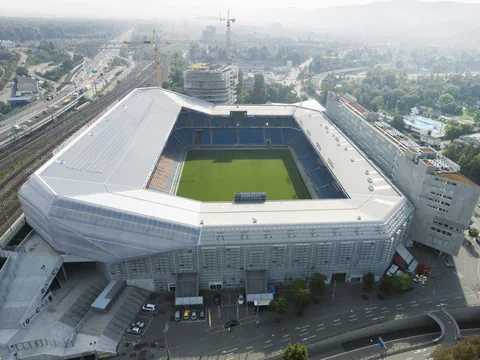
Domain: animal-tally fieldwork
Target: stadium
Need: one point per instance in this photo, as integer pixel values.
(172, 193)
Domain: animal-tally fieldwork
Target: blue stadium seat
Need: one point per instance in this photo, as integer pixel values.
(290, 122)
(289, 135)
(251, 136)
(182, 120)
(206, 136)
(198, 120)
(186, 135)
(224, 136)
(275, 136)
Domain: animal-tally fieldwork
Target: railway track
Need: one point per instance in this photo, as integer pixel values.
(28, 154)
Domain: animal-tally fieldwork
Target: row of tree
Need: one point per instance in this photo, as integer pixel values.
(263, 93)
(392, 91)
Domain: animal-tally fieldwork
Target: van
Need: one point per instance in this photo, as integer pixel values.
(177, 316)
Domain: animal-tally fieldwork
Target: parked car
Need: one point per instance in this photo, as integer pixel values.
(186, 315)
(202, 315)
(240, 299)
(139, 324)
(149, 307)
(231, 323)
(194, 315)
(177, 316)
(217, 299)
(134, 330)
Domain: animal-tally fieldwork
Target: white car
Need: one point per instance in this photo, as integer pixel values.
(240, 300)
(149, 307)
(139, 324)
(134, 330)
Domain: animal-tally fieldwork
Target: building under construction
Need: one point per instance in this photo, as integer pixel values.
(212, 82)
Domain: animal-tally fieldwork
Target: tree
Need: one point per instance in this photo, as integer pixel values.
(123, 51)
(318, 285)
(454, 130)
(467, 348)
(67, 64)
(5, 108)
(295, 352)
(301, 296)
(473, 232)
(21, 71)
(279, 306)
(368, 281)
(259, 93)
(398, 122)
(405, 281)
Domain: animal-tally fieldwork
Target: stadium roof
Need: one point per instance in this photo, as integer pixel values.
(108, 163)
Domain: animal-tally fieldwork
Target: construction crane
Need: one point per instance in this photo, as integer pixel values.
(229, 20)
(154, 42)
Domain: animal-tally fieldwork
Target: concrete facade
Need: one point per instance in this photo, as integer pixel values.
(216, 84)
(444, 199)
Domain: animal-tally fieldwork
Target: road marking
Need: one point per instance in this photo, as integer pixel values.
(308, 338)
(250, 347)
(228, 351)
(353, 319)
(384, 312)
(369, 315)
(368, 311)
(285, 340)
(419, 351)
(322, 328)
(442, 304)
(412, 302)
(351, 316)
(429, 302)
(267, 346)
(336, 320)
(384, 308)
(400, 308)
(372, 308)
(268, 341)
(458, 297)
(378, 318)
(320, 325)
(398, 305)
(443, 299)
(286, 335)
(337, 324)
(414, 305)
(302, 327)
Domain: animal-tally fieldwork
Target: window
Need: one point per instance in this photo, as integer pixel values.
(215, 285)
(172, 287)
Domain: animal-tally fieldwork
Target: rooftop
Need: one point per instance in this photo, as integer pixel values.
(107, 164)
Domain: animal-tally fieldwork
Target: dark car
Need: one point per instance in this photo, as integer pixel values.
(201, 315)
(231, 323)
(217, 299)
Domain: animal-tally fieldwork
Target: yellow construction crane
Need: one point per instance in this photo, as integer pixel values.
(154, 42)
(229, 20)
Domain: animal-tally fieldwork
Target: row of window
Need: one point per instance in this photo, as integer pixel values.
(439, 201)
(441, 195)
(445, 225)
(440, 231)
(443, 181)
(434, 207)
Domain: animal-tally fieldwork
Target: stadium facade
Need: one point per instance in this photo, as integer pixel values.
(109, 195)
(444, 199)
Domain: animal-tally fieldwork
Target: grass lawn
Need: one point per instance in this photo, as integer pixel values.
(215, 175)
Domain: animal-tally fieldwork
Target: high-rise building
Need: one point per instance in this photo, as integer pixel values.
(212, 82)
(444, 199)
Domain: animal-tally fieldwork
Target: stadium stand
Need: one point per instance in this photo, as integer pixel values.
(251, 136)
(275, 136)
(289, 135)
(206, 137)
(224, 136)
(186, 135)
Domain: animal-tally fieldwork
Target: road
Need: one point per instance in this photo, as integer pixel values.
(83, 78)
(292, 77)
(318, 79)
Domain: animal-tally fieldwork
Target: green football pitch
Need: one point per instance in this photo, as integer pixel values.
(215, 175)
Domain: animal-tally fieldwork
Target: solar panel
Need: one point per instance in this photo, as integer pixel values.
(250, 197)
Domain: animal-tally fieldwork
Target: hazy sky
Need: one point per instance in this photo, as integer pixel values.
(159, 8)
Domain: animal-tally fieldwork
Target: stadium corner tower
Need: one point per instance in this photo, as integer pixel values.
(110, 194)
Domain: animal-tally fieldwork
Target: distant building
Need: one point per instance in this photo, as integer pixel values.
(248, 81)
(26, 84)
(19, 101)
(6, 56)
(472, 139)
(7, 44)
(212, 82)
(209, 33)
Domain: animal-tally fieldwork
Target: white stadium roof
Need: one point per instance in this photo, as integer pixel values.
(107, 165)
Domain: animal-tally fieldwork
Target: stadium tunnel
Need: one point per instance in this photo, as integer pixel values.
(256, 288)
(186, 291)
